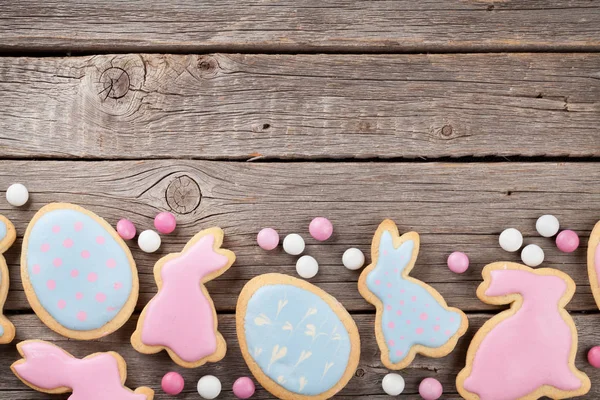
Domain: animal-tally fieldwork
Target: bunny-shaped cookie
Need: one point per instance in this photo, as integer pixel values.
(7, 238)
(412, 317)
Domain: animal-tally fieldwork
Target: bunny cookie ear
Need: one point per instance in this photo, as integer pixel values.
(594, 262)
(8, 233)
(401, 251)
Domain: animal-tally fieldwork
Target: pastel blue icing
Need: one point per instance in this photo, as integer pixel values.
(316, 342)
(97, 313)
(430, 324)
(3, 230)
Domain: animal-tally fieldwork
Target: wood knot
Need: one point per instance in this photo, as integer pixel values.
(183, 194)
(115, 83)
(447, 130)
(359, 373)
(208, 67)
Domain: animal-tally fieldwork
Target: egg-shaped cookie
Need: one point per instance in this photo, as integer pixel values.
(78, 274)
(298, 341)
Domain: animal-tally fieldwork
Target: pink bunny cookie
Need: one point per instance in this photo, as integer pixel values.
(181, 318)
(7, 238)
(527, 351)
(48, 368)
(412, 317)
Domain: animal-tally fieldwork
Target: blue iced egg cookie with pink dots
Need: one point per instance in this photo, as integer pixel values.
(78, 274)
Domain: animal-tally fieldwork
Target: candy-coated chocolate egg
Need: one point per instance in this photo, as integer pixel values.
(430, 389)
(567, 241)
(149, 241)
(172, 383)
(165, 222)
(547, 225)
(243, 388)
(353, 258)
(307, 267)
(209, 387)
(267, 238)
(293, 244)
(458, 262)
(532, 255)
(594, 356)
(126, 229)
(17, 195)
(320, 228)
(511, 239)
(393, 384)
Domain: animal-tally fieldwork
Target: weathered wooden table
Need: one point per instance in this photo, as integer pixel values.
(455, 118)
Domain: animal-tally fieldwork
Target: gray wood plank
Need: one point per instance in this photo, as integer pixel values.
(454, 206)
(300, 106)
(147, 370)
(311, 25)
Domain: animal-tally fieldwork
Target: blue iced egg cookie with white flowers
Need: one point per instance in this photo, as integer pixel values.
(78, 274)
(298, 341)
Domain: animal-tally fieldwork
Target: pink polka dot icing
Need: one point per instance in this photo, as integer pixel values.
(74, 261)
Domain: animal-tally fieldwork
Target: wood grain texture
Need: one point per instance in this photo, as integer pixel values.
(300, 106)
(147, 370)
(454, 206)
(310, 25)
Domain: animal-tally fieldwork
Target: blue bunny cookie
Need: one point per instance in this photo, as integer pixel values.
(412, 317)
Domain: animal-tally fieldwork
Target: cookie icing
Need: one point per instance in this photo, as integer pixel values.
(47, 368)
(529, 350)
(181, 317)
(411, 316)
(80, 274)
(3, 230)
(297, 340)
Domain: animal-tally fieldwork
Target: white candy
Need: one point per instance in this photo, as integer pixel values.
(393, 384)
(293, 244)
(353, 258)
(532, 255)
(511, 239)
(149, 241)
(547, 225)
(307, 267)
(17, 195)
(209, 387)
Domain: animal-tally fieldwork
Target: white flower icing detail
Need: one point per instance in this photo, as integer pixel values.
(287, 326)
(305, 355)
(280, 305)
(262, 319)
(327, 366)
(257, 351)
(309, 312)
(281, 380)
(303, 381)
(276, 354)
(311, 330)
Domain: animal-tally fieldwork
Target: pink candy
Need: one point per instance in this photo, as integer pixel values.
(172, 383)
(267, 238)
(430, 389)
(126, 229)
(458, 262)
(594, 356)
(567, 241)
(320, 228)
(165, 222)
(243, 388)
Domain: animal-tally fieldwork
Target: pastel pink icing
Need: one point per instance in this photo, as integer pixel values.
(180, 317)
(529, 349)
(48, 367)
